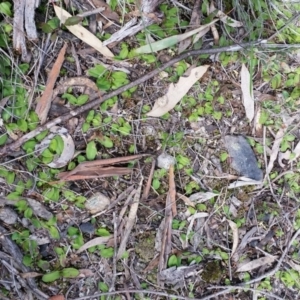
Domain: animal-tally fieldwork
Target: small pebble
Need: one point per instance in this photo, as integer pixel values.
(87, 228)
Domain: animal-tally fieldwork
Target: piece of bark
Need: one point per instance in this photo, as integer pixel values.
(31, 32)
(19, 43)
(44, 104)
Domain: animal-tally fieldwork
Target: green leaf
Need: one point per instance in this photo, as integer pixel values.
(106, 142)
(85, 127)
(3, 139)
(103, 232)
(223, 156)
(51, 194)
(10, 178)
(13, 196)
(22, 124)
(5, 8)
(82, 99)
(155, 183)
(124, 52)
(172, 261)
(264, 116)
(43, 264)
(20, 187)
(41, 135)
(90, 116)
(91, 150)
(72, 99)
(73, 20)
(60, 144)
(276, 81)
(107, 252)
(54, 23)
(52, 276)
(70, 273)
(27, 260)
(103, 84)
(47, 153)
(28, 213)
(103, 287)
(97, 71)
(54, 232)
(73, 231)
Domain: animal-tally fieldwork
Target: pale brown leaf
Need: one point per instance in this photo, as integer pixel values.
(256, 263)
(235, 236)
(247, 90)
(94, 242)
(175, 93)
(82, 33)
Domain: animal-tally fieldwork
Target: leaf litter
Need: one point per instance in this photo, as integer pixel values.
(192, 200)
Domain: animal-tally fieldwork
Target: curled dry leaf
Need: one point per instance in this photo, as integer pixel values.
(247, 90)
(235, 232)
(68, 151)
(176, 91)
(82, 33)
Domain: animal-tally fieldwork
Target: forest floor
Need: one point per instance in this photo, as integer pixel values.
(150, 150)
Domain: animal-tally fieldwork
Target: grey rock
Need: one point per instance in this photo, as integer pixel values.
(242, 157)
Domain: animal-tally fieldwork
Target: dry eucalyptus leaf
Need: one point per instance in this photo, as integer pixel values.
(94, 242)
(235, 234)
(176, 91)
(82, 33)
(247, 90)
(256, 263)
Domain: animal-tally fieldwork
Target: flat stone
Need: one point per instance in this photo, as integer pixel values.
(242, 157)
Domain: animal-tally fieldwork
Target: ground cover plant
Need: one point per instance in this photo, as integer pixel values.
(149, 149)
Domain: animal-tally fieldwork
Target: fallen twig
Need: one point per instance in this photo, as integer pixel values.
(4, 151)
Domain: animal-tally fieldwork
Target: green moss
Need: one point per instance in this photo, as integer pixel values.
(145, 247)
(212, 272)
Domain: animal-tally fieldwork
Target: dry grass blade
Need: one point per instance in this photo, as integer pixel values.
(44, 102)
(131, 220)
(172, 190)
(94, 242)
